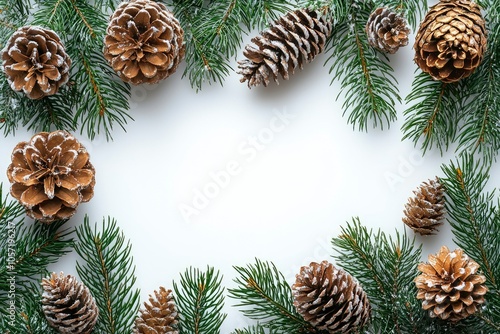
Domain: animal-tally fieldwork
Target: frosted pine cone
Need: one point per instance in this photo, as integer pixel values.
(387, 30)
(449, 285)
(451, 40)
(424, 213)
(51, 175)
(330, 299)
(35, 62)
(144, 42)
(159, 316)
(290, 42)
(68, 305)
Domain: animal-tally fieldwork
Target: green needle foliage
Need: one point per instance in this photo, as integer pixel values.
(108, 271)
(94, 99)
(200, 299)
(474, 215)
(257, 329)
(385, 266)
(466, 113)
(266, 296)
(366, 77)
(26, 249)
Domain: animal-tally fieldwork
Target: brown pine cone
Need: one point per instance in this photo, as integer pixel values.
(51, 175)
(451, 40)
(290, 42)
(449, 287)
(387, 30)
(159, 316)
(424, 213)
(68, 305)
(35, 62)
(330, 299)
(144, 42)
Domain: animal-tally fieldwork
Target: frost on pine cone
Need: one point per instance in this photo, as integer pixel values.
(449, 285)
(330, 299)
(51, 175)
(451, 40)
(424, 213)
(144, 42)
(387, 30)
(35, 62)
(68, 305)
(292, 40)
(159, 316)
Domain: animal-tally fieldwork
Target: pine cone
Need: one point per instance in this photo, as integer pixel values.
(144, 42)
(68, 305)
(330, 299)
(35, 62)
(50, 175)
(425, 212)
(387, 30)
(294, 39)
(451, 40)
(159, 316)
(449, 286)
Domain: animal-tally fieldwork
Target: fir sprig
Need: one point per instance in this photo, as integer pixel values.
(107, 270)
(366, 78)
(385, 267)
(474, 215)
(200, 299)
(264, 295)
(260, 13)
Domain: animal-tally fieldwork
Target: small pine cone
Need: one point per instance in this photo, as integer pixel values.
(449, 286)
(35, 62)
(330, 299)
(387, 30)
(51, 175)
(159, 316)
(424, 213)
(68, 305)
(451, 40)
(144, 42)
(292, 40)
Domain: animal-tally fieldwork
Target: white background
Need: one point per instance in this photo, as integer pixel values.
(288, 199)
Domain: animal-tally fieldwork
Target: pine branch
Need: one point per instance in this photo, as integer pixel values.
(260, 13)
(366, 79)
(433, 118)
(385, 267)
(475, 220)
(107, 270)
(266, 296)
(200, 301)
(257, 329)
(481, 114)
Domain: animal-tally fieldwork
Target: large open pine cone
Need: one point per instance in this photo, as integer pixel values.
(387, 30)
(35, 62)
(424, 213)
(51, 174)
(292, 40)
(451, 40)
(68, 305)
(144, 42)
(449, 286)
(330, 299)
(159, 316)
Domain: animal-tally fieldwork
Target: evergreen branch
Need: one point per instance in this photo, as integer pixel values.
(10, 210)
(257, 329)
(83, 19)
(213, 36)
(385, 267)
(266, 296)
(200, 301)
(433, 115)
(259, 13)
(108, 271)
(473, 216)
(366, 79)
